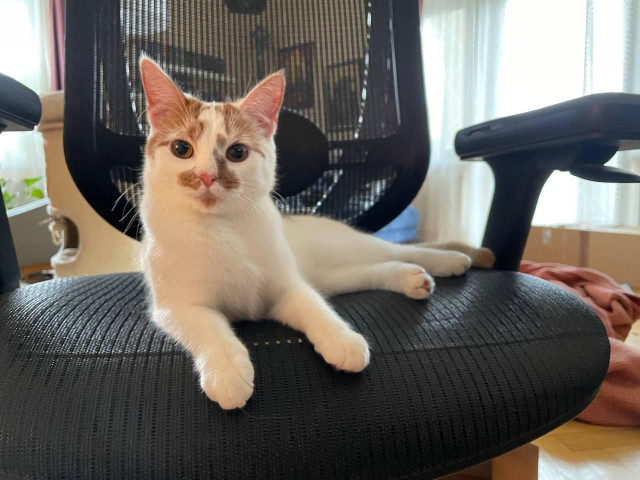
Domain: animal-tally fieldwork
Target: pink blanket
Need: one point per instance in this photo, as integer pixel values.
(618, 402)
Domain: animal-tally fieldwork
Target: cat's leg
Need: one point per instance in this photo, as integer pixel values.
(439, 263)
(319, 244)
(407, 278)
(303, 309)
(480, 257)
(222, 361)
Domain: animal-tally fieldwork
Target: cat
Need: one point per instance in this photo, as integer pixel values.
(216, 249)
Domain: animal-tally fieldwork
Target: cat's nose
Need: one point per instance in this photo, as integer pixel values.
(207, 178)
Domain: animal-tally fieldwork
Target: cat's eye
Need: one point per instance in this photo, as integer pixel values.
(237, 152)
(182, 149)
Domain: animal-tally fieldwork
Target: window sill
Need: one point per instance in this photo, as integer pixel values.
(28, 207)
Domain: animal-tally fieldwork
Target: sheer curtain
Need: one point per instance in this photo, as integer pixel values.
(24, 56)
(489, 58)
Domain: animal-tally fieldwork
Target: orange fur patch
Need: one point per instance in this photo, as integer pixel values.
(194, 131)
(237, 124)
(189, 179)
(179, 123)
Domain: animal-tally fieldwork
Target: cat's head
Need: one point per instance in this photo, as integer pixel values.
(215, 157)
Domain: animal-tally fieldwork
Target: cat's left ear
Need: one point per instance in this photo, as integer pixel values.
(264, 101)
(163, 97)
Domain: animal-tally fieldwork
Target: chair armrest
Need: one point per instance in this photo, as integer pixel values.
(611, 118)
(9, 268)
(580, 136)
(20, 107)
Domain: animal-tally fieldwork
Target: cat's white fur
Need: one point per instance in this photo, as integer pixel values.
(240, 259)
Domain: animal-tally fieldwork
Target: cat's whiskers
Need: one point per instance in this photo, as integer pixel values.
(133, 218)
(141, 115)
(126, 190)
(281, 199)
(134, 206)
(277, 197)
(152, 201)
(245, 204)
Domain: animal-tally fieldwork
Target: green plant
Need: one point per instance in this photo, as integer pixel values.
(33, 191)
(7, 199)
(30, 188)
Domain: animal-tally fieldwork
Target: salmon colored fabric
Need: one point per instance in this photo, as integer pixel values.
(618, 402)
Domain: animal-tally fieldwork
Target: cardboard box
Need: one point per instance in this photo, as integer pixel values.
(556, 244)
(614, 251)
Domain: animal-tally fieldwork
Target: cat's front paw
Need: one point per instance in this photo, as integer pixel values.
(346, 350)
(418, 284)
(451, 264)
(228, 383)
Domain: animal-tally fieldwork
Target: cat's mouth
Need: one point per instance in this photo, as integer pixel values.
(207, 199)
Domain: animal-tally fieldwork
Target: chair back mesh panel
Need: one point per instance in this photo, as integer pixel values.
(354, 95)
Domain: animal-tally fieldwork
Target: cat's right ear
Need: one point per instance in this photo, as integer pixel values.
(163, 97)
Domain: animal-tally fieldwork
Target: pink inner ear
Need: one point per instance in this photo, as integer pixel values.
(264, 101)
(162, 94)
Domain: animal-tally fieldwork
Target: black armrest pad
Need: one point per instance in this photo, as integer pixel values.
(20, 107)
(606, 118)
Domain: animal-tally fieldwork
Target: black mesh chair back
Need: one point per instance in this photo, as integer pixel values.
(352, 135)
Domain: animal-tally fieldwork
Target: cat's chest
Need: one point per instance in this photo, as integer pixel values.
(231, 271)
(228, 265)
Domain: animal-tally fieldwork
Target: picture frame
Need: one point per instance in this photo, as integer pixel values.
(298, 62)
(342, 95)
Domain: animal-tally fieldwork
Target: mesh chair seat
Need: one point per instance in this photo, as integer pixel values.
(482, 367)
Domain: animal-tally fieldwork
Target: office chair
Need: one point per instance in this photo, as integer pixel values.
(90, 388)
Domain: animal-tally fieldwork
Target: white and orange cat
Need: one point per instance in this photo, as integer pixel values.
(216, 249)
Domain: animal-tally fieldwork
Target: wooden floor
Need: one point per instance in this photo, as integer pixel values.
(579, 451)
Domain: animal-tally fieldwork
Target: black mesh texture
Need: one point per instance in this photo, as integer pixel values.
(90, 389)
(344, 75)
(218, 54)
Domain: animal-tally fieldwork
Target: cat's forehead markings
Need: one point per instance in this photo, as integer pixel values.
(195, 125)
(227, 111)
(193, 108)
(195, 129)
(184, 121)
(221, 141)
(235, 122)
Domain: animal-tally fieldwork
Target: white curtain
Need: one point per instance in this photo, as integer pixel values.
(490, 58)
(24, 56)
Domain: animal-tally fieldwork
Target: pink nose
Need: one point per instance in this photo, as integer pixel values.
(208, 178)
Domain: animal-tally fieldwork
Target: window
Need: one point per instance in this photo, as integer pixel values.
(491, 58)
(24, 57)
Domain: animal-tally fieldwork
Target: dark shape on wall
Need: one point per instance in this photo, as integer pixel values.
(298, 63)
(246, 6)
(343, 95)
